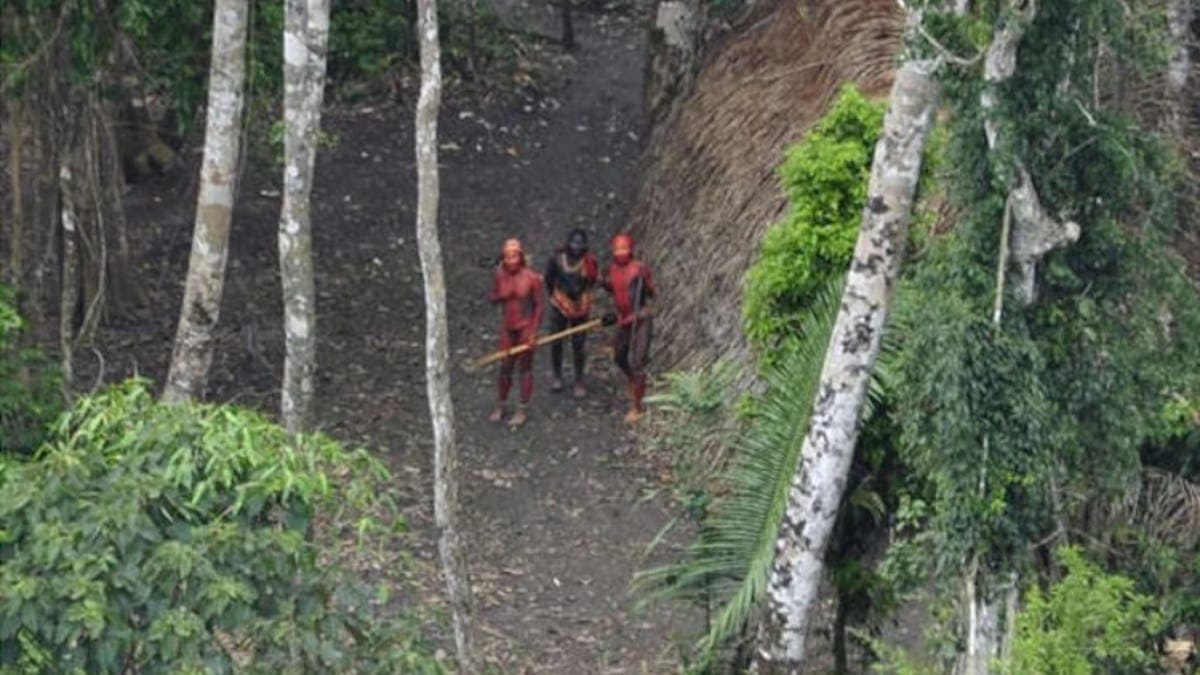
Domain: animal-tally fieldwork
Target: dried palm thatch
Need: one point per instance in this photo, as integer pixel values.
(710, 189)
(1162, 506)
(1169, 508)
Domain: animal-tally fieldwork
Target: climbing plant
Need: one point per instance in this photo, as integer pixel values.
(1016, 411)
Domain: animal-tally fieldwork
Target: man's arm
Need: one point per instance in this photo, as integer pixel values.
(591, 271)
(539, 307)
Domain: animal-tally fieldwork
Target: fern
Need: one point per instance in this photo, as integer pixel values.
(732, 554)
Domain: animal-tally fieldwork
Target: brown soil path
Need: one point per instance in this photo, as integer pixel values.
(557, 515)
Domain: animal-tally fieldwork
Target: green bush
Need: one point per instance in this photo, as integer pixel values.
(150, 538)
(1087, 622)
(825, 179)
(29, 396)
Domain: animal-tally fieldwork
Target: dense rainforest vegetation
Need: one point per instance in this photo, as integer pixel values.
(1021, 483)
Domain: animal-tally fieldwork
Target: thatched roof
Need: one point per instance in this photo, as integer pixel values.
(710, 190)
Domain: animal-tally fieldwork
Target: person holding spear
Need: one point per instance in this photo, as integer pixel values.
(519, 291)
(632, 286)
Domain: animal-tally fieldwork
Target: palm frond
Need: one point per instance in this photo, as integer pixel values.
(1168, 507)
(731, 557)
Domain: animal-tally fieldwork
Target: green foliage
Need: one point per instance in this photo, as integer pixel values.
(369, 40)
(825, 179)
(1087, 622)
(145, 537)
(977, 421)
(729, 561)
(29, 394)
(1063, 393)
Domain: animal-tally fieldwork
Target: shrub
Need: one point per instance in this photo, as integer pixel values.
(144, 537)
(825, 179)
(29, 397)
(1088, 621)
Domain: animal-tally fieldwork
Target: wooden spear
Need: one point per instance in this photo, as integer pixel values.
(472, 366)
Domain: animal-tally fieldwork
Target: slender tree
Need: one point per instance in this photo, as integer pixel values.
(69, 286)
(820, 477)
(437, 352)
(198, 317)
(16, 250)
(305, 41)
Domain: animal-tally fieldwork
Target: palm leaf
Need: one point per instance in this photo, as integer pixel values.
(732, 554)
(1168, 507)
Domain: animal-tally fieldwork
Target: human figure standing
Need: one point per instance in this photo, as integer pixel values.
(632, 286)
(519, 290)
(570, 274)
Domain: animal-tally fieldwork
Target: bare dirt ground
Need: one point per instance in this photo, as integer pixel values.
(559, 514)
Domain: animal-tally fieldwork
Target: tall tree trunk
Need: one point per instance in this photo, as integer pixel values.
(305, 39)
(214, 206)
(1027, 234)
(69, 279)
(828, 449)
(1180, 16)
(437, 352)
(16, 234)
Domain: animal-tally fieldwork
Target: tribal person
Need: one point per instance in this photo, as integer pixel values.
(570, 275)
(632, 286)
(519, 290)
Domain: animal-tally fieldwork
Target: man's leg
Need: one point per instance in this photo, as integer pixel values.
(639, 353)
(504, 380)
(578, 343)
(621, 350)
(525, 365)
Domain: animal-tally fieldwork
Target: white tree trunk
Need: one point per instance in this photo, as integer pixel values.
(1034, 233)
(1181, 13)
(69, 287)
(305, 41)
(1180, 21)
(820, 478)
(16, 238)
(991, 610)
(437, 351)
(214, 206)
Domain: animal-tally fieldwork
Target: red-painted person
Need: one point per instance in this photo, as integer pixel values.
(632, 287)
(519, 291)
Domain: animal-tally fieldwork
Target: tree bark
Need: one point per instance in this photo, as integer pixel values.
(437, 352)
(305, 41)
(1034, 233)
(820, 478)
(210, 240)
(16, 235)
(1179, 19)
(69, 279)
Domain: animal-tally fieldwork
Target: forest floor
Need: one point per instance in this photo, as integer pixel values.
(559, 514)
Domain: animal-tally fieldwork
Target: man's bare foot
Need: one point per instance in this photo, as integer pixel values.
(579, 391)
(518, 419)
(633, 416)
(558, 384)
(496, 415)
